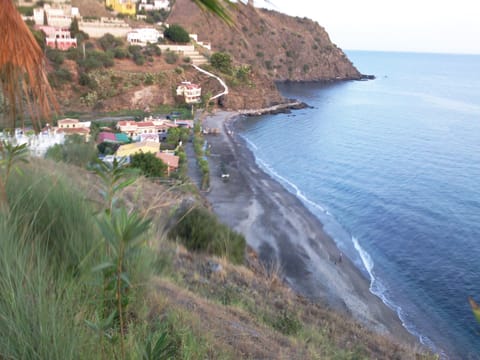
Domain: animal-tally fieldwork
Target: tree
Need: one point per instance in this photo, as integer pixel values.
(149, 164)
(74, 28)
(176, 33)
(109, 42)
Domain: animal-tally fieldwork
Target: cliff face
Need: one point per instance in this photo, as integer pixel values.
(278, 46)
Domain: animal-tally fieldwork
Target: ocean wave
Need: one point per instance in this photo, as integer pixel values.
(250, 144)
(365, 260)
(290, 186)
(379, 290)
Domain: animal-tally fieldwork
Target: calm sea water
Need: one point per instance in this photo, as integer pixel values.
(392, 168)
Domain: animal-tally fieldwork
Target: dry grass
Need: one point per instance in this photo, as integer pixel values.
(249, 311)
(22, 69)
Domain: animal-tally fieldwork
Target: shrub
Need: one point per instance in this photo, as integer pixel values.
(74, 54)
(74, 151)
(120, 53)
(149, 164)
(60, 77)
(171, 57)
(55, 56)
(242, 73)
(177, 34)
(222, 62)
(88, 81)
(134, 49)
(148, 79)
(109, 42)
(200, 230)
(139, 59)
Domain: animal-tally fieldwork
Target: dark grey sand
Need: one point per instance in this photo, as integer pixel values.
(280, 228)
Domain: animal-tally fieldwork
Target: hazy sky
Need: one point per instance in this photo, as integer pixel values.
(449, 26)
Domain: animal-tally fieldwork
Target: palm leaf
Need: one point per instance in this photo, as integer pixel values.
(23, 79)
(217, 8)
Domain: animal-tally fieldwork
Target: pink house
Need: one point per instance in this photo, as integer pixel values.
(58, 38)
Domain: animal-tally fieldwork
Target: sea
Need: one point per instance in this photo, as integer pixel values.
(391, 167)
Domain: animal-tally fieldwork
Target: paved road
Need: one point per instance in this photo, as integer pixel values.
(193, 170)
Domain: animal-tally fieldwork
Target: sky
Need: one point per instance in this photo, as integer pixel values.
(441, 26)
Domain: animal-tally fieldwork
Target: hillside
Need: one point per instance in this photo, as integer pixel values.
(275, 44)
(202, 306)
(275, 47)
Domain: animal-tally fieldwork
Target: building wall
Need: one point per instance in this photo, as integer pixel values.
(127, 7)
(97, 29)
(177, 48)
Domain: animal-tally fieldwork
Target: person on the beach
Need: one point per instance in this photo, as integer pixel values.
(340, 258)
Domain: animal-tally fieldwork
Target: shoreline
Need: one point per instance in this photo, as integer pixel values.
(280, 228)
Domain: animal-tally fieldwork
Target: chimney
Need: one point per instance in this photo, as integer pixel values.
(250, 3)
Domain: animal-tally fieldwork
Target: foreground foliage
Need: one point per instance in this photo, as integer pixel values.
(199, 230)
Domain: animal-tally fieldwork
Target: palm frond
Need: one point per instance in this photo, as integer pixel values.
(216, 7)
(23, 79)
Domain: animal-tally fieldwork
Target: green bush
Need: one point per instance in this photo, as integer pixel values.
(135, 49)
(171, 57)
(60, 77)
(200, 230)
(120, 53)
(109, 42)
(139, 59)
(74, 54)
(222, 62)
(286, 322)
(88, 81)
(177, 34)
(149, 164)
(74, 151)
(55, 56)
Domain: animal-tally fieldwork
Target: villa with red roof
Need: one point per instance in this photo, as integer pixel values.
(73, 126)
(191, 92)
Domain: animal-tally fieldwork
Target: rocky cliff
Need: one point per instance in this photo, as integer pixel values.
(276, 45)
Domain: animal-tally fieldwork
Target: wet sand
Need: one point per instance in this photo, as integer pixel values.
(281, 229)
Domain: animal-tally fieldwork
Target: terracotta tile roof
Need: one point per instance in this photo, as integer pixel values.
(79, 130)
(169, 159)
(145, 124)
(126, 123)
(68, 121)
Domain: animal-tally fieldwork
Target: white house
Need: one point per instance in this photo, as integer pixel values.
(191, 92)
(142, 36)
(55, 16)
(154, 5)
(73, 126)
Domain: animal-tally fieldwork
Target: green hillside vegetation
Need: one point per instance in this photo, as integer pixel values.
(88, 272)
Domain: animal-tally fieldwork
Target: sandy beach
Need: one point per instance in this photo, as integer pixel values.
(281, 229)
